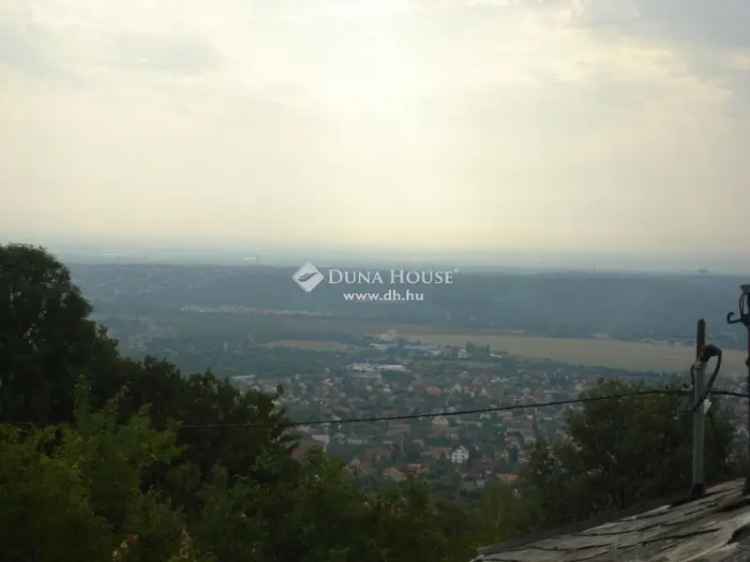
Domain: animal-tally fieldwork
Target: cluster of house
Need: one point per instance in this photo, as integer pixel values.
(475, 447)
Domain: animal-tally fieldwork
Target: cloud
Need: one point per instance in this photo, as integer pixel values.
(82, 52)
(179, 54)
(718, 24)
(603, 12)
(521, 125)
(29, 49)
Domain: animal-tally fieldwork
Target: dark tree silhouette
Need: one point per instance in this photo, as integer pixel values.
(46, 340)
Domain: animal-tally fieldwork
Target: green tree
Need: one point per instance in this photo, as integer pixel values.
(239, 425)
(77, 492)
(502, 513)
(410, 524)
(619, 452)
(45, 509)
(46, 339)
(112, 458)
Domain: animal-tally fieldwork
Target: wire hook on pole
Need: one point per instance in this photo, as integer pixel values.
(744, 308)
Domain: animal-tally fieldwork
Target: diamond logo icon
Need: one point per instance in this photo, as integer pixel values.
(308, 277)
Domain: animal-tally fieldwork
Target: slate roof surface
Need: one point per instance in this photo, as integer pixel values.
(715, 528)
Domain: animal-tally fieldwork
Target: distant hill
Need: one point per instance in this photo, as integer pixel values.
(622, 306)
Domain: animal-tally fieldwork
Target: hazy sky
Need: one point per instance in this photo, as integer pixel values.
(510, 128)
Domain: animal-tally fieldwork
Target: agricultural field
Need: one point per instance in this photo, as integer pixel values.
(595, 352)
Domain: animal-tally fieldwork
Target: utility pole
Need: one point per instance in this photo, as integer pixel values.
(744, 318)
(701, 390)
(699, 416)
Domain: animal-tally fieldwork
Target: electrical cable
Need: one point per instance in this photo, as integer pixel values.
(507, 408)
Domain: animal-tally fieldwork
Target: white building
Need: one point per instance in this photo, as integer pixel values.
(459, 455)
(393, 368)
(363, 367)
(440, 421)
(323, 439)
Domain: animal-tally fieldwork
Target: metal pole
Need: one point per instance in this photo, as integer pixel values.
(747, 362)
(744, 318)
(698, 488)
(747, 389)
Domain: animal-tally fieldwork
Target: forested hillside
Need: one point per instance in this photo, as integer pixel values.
(626, 306)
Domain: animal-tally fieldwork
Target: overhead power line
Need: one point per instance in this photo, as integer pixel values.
(449, 413)
(509, 407)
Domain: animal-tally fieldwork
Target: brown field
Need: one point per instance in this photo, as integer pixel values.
(632, 356)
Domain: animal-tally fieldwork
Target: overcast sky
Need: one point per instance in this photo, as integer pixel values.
(560, 129)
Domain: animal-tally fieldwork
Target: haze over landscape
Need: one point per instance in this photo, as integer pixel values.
(547, 134)
(374, 280)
